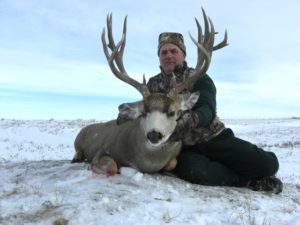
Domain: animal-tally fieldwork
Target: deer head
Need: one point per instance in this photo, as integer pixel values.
(159, 112)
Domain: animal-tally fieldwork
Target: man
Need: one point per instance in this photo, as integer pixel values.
(211, 154)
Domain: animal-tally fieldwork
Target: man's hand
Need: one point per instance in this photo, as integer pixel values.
(187, 122)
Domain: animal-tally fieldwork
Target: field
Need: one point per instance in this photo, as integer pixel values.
(39, 185)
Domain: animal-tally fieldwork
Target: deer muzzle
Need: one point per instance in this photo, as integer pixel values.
(154, 137)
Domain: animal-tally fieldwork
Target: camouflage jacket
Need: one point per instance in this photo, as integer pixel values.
(209, 125)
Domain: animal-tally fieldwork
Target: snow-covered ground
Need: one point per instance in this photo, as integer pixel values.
(39, 184)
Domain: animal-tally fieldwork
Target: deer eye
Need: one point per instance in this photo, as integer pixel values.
(171, 114)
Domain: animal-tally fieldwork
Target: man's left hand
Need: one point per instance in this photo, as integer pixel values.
(187, 122)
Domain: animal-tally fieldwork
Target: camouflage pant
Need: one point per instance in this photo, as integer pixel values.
(225, 160)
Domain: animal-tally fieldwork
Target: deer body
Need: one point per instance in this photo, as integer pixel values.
(126, 144)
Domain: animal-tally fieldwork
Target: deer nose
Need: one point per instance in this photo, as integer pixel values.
(154, 137)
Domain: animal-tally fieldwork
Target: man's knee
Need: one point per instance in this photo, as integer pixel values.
(198, 169)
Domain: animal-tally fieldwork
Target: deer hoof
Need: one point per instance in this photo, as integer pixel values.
(171, 165)
(106, 165)
(78, 157)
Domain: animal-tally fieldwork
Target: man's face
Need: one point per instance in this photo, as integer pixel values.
(169, 57)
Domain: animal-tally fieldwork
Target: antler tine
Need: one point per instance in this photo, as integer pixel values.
(115, 58)
(111, 42)
(222, 43)
(201, 49)
(212, 36)
(112, 59)
(200, 40)
(207, 34)
(205, 47)
(209, 44)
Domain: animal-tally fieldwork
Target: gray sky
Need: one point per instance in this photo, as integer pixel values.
(52, 63)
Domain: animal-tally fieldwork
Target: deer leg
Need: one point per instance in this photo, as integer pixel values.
(78, 157)
(171, 165)
(105, 165)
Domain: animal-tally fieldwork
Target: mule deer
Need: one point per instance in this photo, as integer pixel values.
(144, 141)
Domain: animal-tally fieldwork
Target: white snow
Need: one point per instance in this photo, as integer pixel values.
(39, 184)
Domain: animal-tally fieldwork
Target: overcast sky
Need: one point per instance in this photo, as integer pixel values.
(52, 63)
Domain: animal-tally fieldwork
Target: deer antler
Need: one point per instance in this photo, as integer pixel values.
(115, 58)
(205, 46)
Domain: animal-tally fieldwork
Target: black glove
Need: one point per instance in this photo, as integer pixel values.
(185, 124)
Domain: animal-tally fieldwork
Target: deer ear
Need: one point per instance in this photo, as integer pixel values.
(130, 111)
(189, 101)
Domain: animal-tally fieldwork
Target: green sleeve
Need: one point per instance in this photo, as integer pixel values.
(206, 104)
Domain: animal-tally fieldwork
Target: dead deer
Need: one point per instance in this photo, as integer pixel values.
(143, 142)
